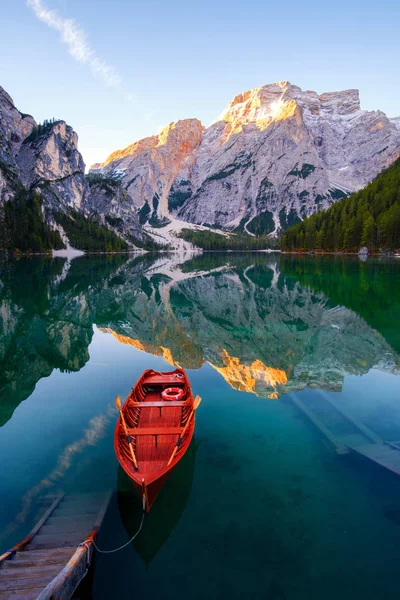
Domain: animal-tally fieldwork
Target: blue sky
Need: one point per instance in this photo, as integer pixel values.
(136, 66)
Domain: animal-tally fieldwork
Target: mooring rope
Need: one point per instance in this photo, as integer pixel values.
(86, 542)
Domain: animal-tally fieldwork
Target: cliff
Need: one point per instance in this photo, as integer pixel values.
(274, 156)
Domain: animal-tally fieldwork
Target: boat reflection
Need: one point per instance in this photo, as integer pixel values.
(164, 516)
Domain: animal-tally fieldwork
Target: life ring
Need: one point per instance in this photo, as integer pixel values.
(172, 393)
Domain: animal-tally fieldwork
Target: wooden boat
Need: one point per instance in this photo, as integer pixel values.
(154, 430)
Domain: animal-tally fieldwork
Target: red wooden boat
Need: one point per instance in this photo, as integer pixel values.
(154, 430)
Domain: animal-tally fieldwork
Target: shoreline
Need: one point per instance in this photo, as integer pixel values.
(68, 255)
(78, 253)
(389, 254)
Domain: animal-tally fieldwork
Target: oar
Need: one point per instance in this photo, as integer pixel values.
(196, 403)
(128, 437)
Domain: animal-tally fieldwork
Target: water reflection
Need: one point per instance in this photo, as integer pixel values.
(269, 326)
(261, 495)
(164, 516)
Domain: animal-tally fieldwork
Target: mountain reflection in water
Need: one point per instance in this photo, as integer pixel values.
(268, 327)
(258, 506)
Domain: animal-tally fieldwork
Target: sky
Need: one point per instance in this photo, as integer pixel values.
(120, 70)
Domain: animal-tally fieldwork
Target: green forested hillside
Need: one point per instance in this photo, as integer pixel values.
(208, 240)
(370, 217)
(22, 228)
(88, 234)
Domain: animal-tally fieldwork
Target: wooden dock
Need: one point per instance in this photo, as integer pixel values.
(346, 433)
(49, 563)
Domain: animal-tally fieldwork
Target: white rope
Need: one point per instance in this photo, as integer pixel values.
(86, 542)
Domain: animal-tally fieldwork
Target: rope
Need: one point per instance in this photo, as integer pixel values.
(86, 542)
(178, 375)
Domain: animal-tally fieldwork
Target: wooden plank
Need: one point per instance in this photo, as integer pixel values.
(69, 525)
(27, 594)
(163, 379)
(363, 428)
(85, 496)
(353, 439)
(63, 586)
(57, 541)
(40, 569)
(33, 560)
(383, 455)
(71, 511)
(39, 554)
(34, 531)
(394, 445)
(340, 448)
(154, 431)
(62, 520)
(161, 404)
(102, 512)
(20, 584)
(77, 501)
(24, 572)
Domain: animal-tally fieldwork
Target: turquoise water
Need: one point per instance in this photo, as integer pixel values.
(261, 506)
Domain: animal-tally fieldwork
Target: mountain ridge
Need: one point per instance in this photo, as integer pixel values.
(43, 159)
(275, 155)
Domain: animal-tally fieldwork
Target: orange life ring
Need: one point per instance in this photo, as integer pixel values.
(172, 393)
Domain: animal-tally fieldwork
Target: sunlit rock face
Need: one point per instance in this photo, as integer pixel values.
(53, 165)
(148, 167)
(275, 155)
(50, 162)
(250, 378)
(279, 154)
(14, 128)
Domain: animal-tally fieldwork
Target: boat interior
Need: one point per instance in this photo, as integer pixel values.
(155, 424)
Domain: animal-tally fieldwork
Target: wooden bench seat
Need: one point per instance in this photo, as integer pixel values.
(154, 430)
(161, 404)
(162, 379)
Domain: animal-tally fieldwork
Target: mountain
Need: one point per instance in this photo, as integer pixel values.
(396, 121)
(42, 175)
(42, 156)
(368, 218)
(276, 155)
(148, 168)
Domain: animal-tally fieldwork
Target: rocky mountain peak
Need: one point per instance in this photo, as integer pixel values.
(260, 106)
(184, 132)
(396, 122)
(49, 159)
(342, 103)
(275, 155)
(181, 131)
(278, 101)
(14, 127)
(148, 167)
(279, 154)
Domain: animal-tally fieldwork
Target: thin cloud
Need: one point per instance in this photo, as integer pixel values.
(74, 37)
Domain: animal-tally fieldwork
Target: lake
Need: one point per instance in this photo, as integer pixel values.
(262, 505)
